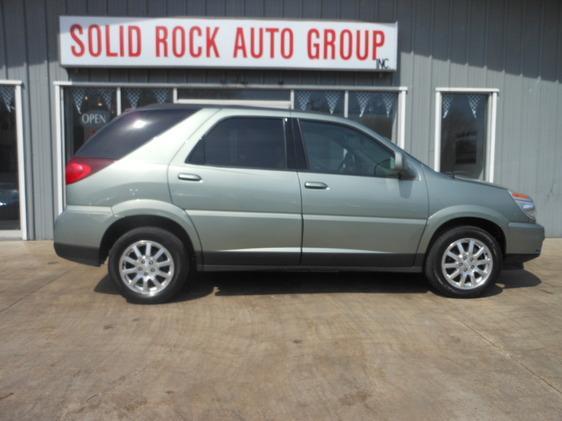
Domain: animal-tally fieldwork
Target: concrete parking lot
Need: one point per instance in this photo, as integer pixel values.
(277, 346)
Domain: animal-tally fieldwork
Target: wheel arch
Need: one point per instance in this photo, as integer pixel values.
(127, 223)
(488, 225)
(145, 212)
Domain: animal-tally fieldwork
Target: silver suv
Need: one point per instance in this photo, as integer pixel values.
(163, 191)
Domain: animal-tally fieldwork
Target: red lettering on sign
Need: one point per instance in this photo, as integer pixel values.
(378, 41)
(78, 49)
(211, 42)
(313, 48)
(94, 51)
(346, 44)
(329, 43)
(287, 43)
(195, 51)
(240, 43)
(109, 53)
(271, 32)
(256, 45)
(178, 41)
(161, 41)
(121, 41)
(362, 52)
(135, 30)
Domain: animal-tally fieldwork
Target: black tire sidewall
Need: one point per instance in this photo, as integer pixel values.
(174, 245)
(433, 262)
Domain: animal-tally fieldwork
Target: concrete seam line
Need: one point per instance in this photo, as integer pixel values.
(34, 291)
(510, 357)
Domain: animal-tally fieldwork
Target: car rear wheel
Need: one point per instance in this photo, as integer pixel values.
(148, 265)
(463, 262)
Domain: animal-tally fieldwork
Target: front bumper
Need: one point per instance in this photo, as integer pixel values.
(523, 243)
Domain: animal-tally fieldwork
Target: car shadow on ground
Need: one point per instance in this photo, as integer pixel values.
(268, 283)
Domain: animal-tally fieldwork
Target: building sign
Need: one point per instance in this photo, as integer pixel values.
(232, 43)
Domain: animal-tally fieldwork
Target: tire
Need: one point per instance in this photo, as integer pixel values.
(161, 277)
(480, 274)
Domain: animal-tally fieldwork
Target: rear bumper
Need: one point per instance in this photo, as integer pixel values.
(79, 231)
(80, 254)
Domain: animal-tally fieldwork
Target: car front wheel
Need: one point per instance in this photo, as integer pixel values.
(148, 265)
(463, 262)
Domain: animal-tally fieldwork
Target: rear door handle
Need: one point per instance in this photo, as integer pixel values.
(318, 185)
(189, 177)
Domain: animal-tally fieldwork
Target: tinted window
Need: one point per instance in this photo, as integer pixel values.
(333, 148)
(464, 122)
(243, 142)
(130, 131)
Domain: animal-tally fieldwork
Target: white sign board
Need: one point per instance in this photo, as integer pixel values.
(227, 43)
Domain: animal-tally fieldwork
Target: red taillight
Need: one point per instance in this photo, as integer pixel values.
(80, 168)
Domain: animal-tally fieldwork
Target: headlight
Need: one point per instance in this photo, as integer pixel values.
(526, 204)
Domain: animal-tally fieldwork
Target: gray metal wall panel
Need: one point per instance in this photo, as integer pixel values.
(515, 46)
(3, 46)
(40, 121)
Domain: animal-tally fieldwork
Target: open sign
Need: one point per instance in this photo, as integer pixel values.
(94, 119)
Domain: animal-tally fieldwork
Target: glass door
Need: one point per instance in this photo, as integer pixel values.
(9, 162)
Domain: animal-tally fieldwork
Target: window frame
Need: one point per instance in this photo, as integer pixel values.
(300, 139)
(284, 122)
(492, 109)
(21, 159)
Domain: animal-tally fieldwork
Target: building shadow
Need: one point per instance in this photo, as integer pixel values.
(224, 284)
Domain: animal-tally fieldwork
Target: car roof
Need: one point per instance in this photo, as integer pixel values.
(197, 107)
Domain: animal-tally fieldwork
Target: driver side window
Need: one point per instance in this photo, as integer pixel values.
(336, 149)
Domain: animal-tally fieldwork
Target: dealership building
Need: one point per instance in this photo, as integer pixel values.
(471, 87)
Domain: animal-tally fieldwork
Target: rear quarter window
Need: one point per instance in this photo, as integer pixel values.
(130, 131)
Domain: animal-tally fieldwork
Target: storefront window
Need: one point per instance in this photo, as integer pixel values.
(86, 110)
(464, 120)
(376, 110)
(139, 97)
(328, 102)
(235, 94)
(9, 192)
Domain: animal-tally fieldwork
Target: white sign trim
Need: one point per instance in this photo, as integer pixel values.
(99, 41)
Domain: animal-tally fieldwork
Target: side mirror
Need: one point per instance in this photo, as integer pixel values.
(401, 169)
(398, 162)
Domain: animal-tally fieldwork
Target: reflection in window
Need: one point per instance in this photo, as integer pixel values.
(327, 102)
(376, 110)
(86, 110)
(333, 148)
(139, 97)
(9, 193)
(464, 134)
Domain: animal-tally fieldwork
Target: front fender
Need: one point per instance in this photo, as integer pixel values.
(445, 215)
(141, 207)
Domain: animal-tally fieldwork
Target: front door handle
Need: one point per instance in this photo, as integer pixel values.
(318, 185)
(189, 177)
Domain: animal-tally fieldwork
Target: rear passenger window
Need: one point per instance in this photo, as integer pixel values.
(249, 142)
(130, 131)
